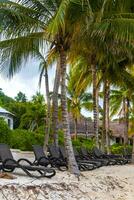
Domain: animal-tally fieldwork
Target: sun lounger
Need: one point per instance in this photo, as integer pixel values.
(80, 158)
(116, 158)
(86, 155)
(83, 166)
(40, 157)
(56, 158)
(9, 164)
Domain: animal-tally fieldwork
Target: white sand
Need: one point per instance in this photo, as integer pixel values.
(105, 183)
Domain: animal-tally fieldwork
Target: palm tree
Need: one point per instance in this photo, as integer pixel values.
(120, 104)
(30, 23)
(26, 28)
(44, 71)
(107, 30)
(55, 127)
(77, 100)
(55, 123)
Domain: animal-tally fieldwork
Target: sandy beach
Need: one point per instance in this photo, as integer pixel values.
(105, 183)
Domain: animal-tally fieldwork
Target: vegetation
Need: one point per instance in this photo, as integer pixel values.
(23, 139)
(95, 38)
(4, 131)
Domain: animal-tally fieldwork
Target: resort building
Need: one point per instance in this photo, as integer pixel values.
(85, 128)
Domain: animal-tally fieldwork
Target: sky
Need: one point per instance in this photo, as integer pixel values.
(26, 81)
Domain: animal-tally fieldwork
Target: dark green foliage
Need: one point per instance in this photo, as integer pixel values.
(33, 117)
(87, 143)
(4, 132)
(23, 139)
(4, 99)
(28, 115)
(80, 141)
(21, 97)
(18, 109)
(61, 137)
(40, 130)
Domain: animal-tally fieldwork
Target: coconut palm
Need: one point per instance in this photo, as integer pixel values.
(121, 105)
(119, 77)
(30, 23)
(55, 122)
(44, 72)
(77, 100)
(107, 30)
(27, 25)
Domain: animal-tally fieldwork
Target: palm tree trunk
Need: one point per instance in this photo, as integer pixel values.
(72, 165)
(133, 150)
(106, 115)
(55, 123)
(48, 115)
(95, 105)
(126, 120)
(75, 128)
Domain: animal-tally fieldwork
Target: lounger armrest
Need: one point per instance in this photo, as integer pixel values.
(55, 159)
(43, 158)
(7, 160)
(25, 160)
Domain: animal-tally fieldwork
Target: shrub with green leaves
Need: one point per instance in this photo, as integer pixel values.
(23, 139)
(80, 141)
(61, 137)
(4, 131)
(120, 149)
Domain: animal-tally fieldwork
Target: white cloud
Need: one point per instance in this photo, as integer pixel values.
(26, 81)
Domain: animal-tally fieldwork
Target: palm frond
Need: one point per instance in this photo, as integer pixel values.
(58, 23)
(16, 51)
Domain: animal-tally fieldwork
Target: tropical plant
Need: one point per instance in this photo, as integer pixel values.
(21, 97)
(121, 102)
(4, 131)
(44, 72)
(55, 122)
(104, 39)
(27, 26)
(77, 100)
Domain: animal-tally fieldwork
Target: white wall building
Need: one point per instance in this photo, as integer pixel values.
(8, 117)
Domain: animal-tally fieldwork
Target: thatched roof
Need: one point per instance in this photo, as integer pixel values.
(117, 129)
(85, 126)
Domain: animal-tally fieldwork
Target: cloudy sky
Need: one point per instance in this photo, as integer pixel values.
(25, 81)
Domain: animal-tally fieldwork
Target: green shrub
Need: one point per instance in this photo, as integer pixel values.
(80, 141)
(23, 139)
(4, 132)
(119, 149)
(61, 137)
(87, 143)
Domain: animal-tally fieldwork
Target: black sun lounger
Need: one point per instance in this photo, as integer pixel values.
(9, 164)
(86, 155)
(83, 166)
(81, 158)
(118, 160)
(40, 157)
(56, 158)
